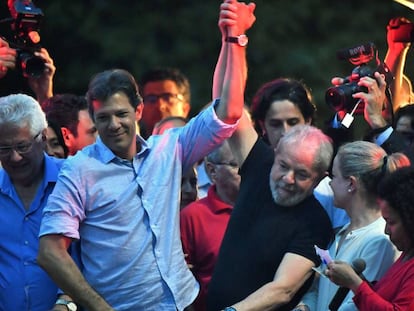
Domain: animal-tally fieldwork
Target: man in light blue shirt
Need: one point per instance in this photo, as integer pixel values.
(27, 178)
(120, 198)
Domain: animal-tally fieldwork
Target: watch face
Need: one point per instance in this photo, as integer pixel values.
(72, 306)
(243, 40)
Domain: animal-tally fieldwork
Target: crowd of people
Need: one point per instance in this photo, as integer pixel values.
(116, 200)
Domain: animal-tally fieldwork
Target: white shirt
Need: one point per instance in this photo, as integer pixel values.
(369, 243)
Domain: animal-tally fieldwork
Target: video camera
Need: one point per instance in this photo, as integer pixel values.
(340, 97)
(25, 27)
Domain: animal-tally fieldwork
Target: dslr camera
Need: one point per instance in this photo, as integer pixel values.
(340, 97)
(25, 27)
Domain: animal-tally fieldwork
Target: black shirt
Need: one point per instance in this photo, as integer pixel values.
(261, 232)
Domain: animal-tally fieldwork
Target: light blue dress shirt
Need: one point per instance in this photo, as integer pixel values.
(23, 284)
(126, 215)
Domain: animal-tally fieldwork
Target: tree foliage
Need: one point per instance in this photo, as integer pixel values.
(296, 39)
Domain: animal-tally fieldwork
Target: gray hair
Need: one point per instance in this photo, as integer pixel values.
(368, 162)
(219, 153)
(20, 110)
(316, 140)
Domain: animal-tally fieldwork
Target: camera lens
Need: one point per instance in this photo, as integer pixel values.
(340, 97)
(335, 97)
(32, 66)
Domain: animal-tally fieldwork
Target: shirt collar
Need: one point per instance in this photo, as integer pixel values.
(144, 145)
(107, 155)
(52, 168)
(51, 172)
(5, 182)
(217, 205)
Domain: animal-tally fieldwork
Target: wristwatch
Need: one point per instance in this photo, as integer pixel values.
(69, 304)
(241, 40)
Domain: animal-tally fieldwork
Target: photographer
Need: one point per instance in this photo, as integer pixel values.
(381, 128)
(21, 56)
(42, 86)
(372, 100)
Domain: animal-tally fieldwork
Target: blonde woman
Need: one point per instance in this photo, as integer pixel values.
(357, 169)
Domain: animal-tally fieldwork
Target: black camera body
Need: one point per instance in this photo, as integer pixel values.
(25, 28)
(340, 97)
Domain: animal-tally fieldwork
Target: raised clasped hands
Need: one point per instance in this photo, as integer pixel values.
(236, 17)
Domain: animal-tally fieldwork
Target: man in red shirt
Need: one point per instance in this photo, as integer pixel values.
(204, 222)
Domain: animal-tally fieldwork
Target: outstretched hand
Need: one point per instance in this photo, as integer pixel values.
(236, 17)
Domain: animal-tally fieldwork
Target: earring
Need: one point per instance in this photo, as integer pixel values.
(349, 190)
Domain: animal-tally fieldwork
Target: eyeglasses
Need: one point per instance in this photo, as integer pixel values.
(20, 148)
(166, 97)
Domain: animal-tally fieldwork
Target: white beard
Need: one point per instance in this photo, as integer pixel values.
(287, 201)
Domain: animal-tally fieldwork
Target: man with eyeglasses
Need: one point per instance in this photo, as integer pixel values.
(203, 222)
(165, 93)
(27, 178)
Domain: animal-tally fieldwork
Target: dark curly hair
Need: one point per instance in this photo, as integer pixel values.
(282, 89)
(398, 190)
